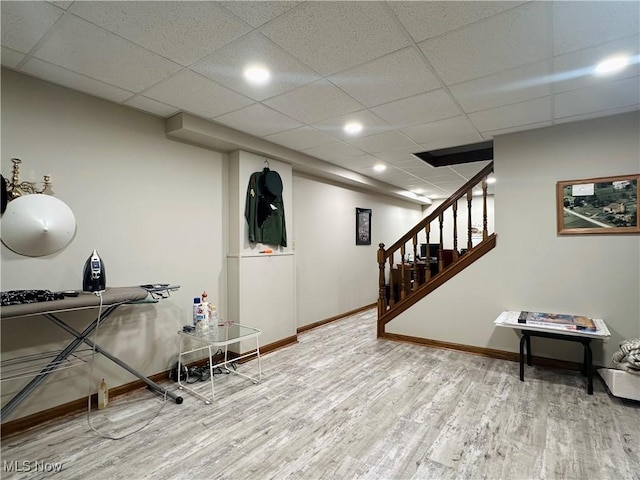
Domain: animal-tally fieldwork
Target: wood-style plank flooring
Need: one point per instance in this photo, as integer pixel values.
(342, 404)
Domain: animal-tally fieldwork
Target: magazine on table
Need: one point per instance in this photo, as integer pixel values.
(570, 322)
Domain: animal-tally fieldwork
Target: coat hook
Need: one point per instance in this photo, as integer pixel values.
(267, 162)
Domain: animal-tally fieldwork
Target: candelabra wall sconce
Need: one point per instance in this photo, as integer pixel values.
(34, 225)
(17, 188)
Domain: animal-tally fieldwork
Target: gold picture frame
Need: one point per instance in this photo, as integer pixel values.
(604, 205)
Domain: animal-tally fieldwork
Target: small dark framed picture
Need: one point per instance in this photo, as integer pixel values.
(598, 205)
(363, 226)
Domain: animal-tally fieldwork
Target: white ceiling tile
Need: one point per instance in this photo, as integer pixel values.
(194, 93)
(382, 142)
(371, 125)
(578, 25)
(226, 66)
(300, 138)
(258, 13)
(62, 4)
(314, 102)
(422, 108)
(391, 77)
(511, 86)
(11, 58)
(523, 113)
(180, 31)
(450, 128)
(519, 128)
(258, 120)
(84, 48)
(616, 94)
(54, 74)
(151, 106)
(575, 70)
(333, 151)
(401, 156)
(425, 19)
(587, 116)
(447, 142)
(24, 23)
(516, 37)
(334, 36)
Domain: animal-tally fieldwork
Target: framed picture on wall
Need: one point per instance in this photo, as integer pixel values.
(363, 226)
(598, 205)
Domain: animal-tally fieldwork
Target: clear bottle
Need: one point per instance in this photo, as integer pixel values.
(214, 320)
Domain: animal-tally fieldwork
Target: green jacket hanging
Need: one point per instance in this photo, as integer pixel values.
(264, 209)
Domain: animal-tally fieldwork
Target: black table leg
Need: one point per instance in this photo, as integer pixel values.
(522, 340)
(529, 362)
(588, 365)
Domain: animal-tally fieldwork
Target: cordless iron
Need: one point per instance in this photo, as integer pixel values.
(94, 278)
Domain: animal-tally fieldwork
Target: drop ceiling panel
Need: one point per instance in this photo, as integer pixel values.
(423, 108)
(11, 58)
(511, 86)
(54, 74)
(194, 93)
(333, 151)
(335, 36)
(450, 128)
(455, 141)
(520, 128)
(424, 19)
(575, 70)
(314, 102)
(401, 156)
(180, 31)
(258, 13)
(301, 138)
(371, 125)
(394, 76)
(258, 120)
(621, 93)
(523, 113)
(149, 105)
(84, 48)
(25, 23)
(383, 142)
(577, 25)
(508, 40)
(226, 66)
(61, 4)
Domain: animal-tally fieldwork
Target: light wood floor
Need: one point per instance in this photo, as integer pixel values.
(342, 404)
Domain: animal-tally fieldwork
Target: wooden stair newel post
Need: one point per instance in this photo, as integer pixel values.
(469, 241)
(440, 246)
(402, 285)
(382, 294)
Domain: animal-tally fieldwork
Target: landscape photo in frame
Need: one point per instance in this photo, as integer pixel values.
(603, 205)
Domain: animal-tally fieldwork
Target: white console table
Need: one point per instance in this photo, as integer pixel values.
(215, 338)
(556, 332)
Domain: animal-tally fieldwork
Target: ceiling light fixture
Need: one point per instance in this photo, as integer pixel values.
(380, 167)
(612, 65)
(353, 128)
(257, 75)
(491, 180)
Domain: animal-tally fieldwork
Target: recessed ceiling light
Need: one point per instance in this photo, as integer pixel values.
(353, 128)
(418, 191)
(612, 65)
(257, 75)
(380, 167)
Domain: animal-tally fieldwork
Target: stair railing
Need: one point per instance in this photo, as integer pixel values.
(398, 283)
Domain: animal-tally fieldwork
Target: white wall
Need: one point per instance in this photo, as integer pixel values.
(333, 274)
(532, 268)
(154, 208)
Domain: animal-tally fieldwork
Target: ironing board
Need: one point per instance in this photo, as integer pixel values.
(112, 298)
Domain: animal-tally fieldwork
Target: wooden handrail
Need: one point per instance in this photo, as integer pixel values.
(462, 191)
(411, 280)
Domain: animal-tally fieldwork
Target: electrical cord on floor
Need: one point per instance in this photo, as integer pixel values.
(93, 356)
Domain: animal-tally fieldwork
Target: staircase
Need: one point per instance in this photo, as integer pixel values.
(402, 284)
